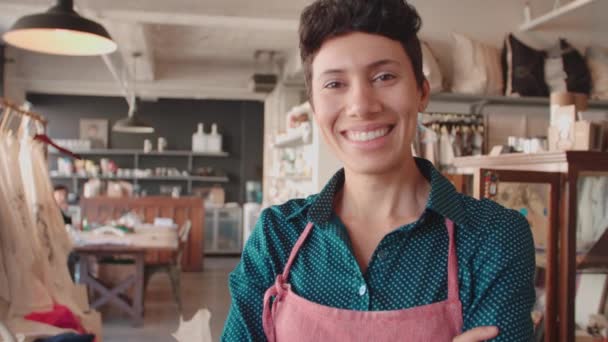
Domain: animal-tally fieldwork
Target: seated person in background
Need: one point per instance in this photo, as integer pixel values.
(60, 193)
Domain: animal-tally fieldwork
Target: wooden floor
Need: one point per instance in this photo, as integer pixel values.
(208, 289)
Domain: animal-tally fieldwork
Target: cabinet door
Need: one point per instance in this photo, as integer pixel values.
(536, 196)
(230, 231)
(224, 231)
(591, 246)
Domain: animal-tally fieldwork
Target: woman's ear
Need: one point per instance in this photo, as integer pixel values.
(425, 96)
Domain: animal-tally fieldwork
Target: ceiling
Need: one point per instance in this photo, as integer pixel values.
(205, 48)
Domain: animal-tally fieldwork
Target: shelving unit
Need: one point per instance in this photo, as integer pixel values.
(138, 155)
(478, 102)
(577, 14)
(292, 141)
(152, 153)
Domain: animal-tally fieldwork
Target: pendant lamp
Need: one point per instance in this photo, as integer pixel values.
(60, 31)
(132, 124)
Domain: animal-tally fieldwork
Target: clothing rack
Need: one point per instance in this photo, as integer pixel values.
(7, 104)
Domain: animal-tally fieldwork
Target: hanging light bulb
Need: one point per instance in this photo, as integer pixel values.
(132, 124)
(60, 31)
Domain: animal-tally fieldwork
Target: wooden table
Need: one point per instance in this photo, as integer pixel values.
(135, 246)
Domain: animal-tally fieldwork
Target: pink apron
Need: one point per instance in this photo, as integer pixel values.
(293, 318)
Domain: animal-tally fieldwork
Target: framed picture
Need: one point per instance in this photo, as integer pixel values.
(96, 131)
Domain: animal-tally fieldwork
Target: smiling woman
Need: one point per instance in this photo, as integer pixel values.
(388, 250)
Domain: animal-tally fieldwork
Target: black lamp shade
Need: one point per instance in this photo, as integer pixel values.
(61, 31)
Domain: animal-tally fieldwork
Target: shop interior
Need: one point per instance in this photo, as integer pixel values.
(132, 173)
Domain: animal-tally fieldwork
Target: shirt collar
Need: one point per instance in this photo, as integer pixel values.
(443, 199)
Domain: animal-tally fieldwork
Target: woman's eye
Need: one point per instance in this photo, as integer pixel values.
(332, 85)
(384, 77)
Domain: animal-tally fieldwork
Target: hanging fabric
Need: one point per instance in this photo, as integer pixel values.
(34, 244)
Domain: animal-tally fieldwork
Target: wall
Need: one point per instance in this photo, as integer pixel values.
(240, 122)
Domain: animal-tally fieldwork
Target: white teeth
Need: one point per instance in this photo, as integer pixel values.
(366, 136)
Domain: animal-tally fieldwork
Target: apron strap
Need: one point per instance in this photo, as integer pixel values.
(452, 263)
(296, 249)
(278, 289)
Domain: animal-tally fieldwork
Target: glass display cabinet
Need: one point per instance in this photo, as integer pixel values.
(564, 196)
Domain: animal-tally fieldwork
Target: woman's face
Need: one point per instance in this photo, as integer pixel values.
(366, 101)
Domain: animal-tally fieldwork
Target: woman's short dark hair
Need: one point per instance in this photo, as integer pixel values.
(326, 19)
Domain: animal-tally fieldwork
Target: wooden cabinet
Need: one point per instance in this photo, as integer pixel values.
(102, 209)
(569, 176)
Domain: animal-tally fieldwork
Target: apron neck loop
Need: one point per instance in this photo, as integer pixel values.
(295, 250)
(452, 263)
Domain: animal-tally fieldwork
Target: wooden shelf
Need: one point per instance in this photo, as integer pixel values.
(291, 177)
(505, 100)
(545, 161)
(216, 179)
(581, 15)
(127, 152)
(292, 141)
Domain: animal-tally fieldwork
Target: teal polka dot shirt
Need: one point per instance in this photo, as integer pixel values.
(408, 268)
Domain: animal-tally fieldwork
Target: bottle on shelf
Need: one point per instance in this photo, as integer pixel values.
(199, 139)
(214, 140)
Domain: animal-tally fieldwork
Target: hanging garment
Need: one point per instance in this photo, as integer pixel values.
(23, 261)
(457, 142)
(477, 142)
(56, 244)
(429, 144)
(584, 223)
(446, 150)
(599, 204)
(293, 318)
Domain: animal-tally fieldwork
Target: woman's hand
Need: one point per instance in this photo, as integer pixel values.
(477, 334)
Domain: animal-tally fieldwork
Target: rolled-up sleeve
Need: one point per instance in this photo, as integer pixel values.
(503, 291)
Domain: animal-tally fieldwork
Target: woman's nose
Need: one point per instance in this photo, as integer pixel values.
(363, 100)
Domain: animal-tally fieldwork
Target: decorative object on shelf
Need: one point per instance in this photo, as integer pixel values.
(77, 145)
(119, 189)
(430, 68)
(95, 131)
(477, 67)
(597, 61)
(132, 124)
(253, 191)
(162, 144)
(526, 145)
(92, 188)
(214, 140)
(566, 70)
(147, 146)
(561, 132)
(171, 190)
(199, 139)
(214, 196)
(298, 126)
(62, 31)
(524, 69)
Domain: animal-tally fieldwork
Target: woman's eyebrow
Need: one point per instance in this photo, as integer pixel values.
(372, 65)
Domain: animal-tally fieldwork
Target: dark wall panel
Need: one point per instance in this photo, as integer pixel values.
(241, 124)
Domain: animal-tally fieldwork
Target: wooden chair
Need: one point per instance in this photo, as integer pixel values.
(173, 268)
